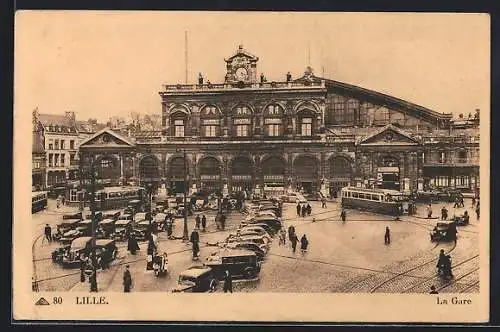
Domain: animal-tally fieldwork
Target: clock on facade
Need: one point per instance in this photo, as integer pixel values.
(241, 74)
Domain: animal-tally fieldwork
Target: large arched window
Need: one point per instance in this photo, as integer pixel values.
(210, 121)
(273, 120)
(178, 120)
(305, 120)
(242, 121)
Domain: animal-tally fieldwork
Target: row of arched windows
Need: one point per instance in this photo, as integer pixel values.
(242, 122)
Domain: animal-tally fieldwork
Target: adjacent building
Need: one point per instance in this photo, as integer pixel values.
(37, 155)
(309, 133)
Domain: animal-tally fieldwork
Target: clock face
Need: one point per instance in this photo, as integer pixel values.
(241, 73)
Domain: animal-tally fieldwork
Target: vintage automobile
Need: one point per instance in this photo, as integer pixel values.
(445, 230)
(255, 232)
(121, 229)
(261, 241)
(126, 216)
(293, 197)
(241, 264)
(160, 219)
(142, 216)
(77, 215)
(134, 206)
(141, 230)
(196, 279)
(259, 230)
(85, 227)
(461, 220)
(272, 222)
(64, 227)
(446, 195)
(105, 228)
(260, 251)
(112, 214)
(77, 252)
(271, 231)
(105, 244)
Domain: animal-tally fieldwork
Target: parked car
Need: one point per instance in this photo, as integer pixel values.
(258, 240)
(78, 251)
(85, 227)
(65, 226)
(265, 226)
(242, 264)
(112, 214)
(294, 197)
(142, 216)
(106, 228)
(260, 251)
(196, 279)
(77, 215)
(121, 229)
(444, 231)
(259, 230)
(272, 222)
(105, 244)
(141, 230)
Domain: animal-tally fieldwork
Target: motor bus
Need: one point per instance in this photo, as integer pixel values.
(38, 201)
(382, 201)
(111, 198)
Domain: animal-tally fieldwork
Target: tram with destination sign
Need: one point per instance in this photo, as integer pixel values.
(384, 201)
(38, 201)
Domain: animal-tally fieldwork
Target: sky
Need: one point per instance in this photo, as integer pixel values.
(103, 64)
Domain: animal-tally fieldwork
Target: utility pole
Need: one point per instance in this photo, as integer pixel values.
(186, 55)
(185, 236)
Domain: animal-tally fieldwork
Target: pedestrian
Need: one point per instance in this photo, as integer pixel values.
(127, 280)
(48, 233)
(283, 236)
(223, 221)
(195, 239)
(444, 213)
(105, 258)
(228, 282)
(298, 209)
(477, 210)
(294, 239)
(83, 264)
(387, 236)
(308, 209)
(203, 222)
(303, 244)
(462, 201)
(429, 211)
(169, 229)
(304, 211)
(198, 221)
(433, 290)
(323, 202)
(58, 202)
(93, 280)
(291, 232)
(343, 215)
(63, 200)
(132, 245)
(473, 202)
(457, 203)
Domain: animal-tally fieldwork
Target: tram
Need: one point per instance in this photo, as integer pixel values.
(110, 198)
(383, 201)
(38, 201)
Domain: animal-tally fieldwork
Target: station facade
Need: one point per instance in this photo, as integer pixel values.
(309, 133)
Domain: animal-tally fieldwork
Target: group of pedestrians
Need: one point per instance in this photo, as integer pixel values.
(303, 210)
(292, 237)
(201, 221)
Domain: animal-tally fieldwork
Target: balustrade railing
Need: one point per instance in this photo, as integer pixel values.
(237, 86)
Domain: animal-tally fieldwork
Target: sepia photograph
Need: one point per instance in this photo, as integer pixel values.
(280, 165)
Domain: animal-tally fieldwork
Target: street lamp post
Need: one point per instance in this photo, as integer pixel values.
(185, 235)
(92, 173)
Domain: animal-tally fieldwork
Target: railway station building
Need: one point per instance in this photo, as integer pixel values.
(308, 133)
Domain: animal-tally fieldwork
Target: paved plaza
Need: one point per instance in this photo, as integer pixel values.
(342, 257)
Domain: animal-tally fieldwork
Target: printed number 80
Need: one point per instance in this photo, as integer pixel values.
(57, 300)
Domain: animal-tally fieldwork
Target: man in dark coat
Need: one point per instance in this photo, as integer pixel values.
(298, 209)
(105, 259)
(343, 215)
(223, 221)
(132, 245)
(198, 221)
(48, 233)
(127, 280)
(294, 239)
(303, 244)
(228, 282)
(93, 280)
(195, 239)
(387, 236)
(304, 211)
(204, 222)
(308, 209)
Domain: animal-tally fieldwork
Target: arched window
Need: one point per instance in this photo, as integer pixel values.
(273, 120)
(242, 121)
(210, 121)
(178, 119)
(306, 122)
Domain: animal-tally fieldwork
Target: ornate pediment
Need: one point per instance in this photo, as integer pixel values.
(388, 135)
(107, 138)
